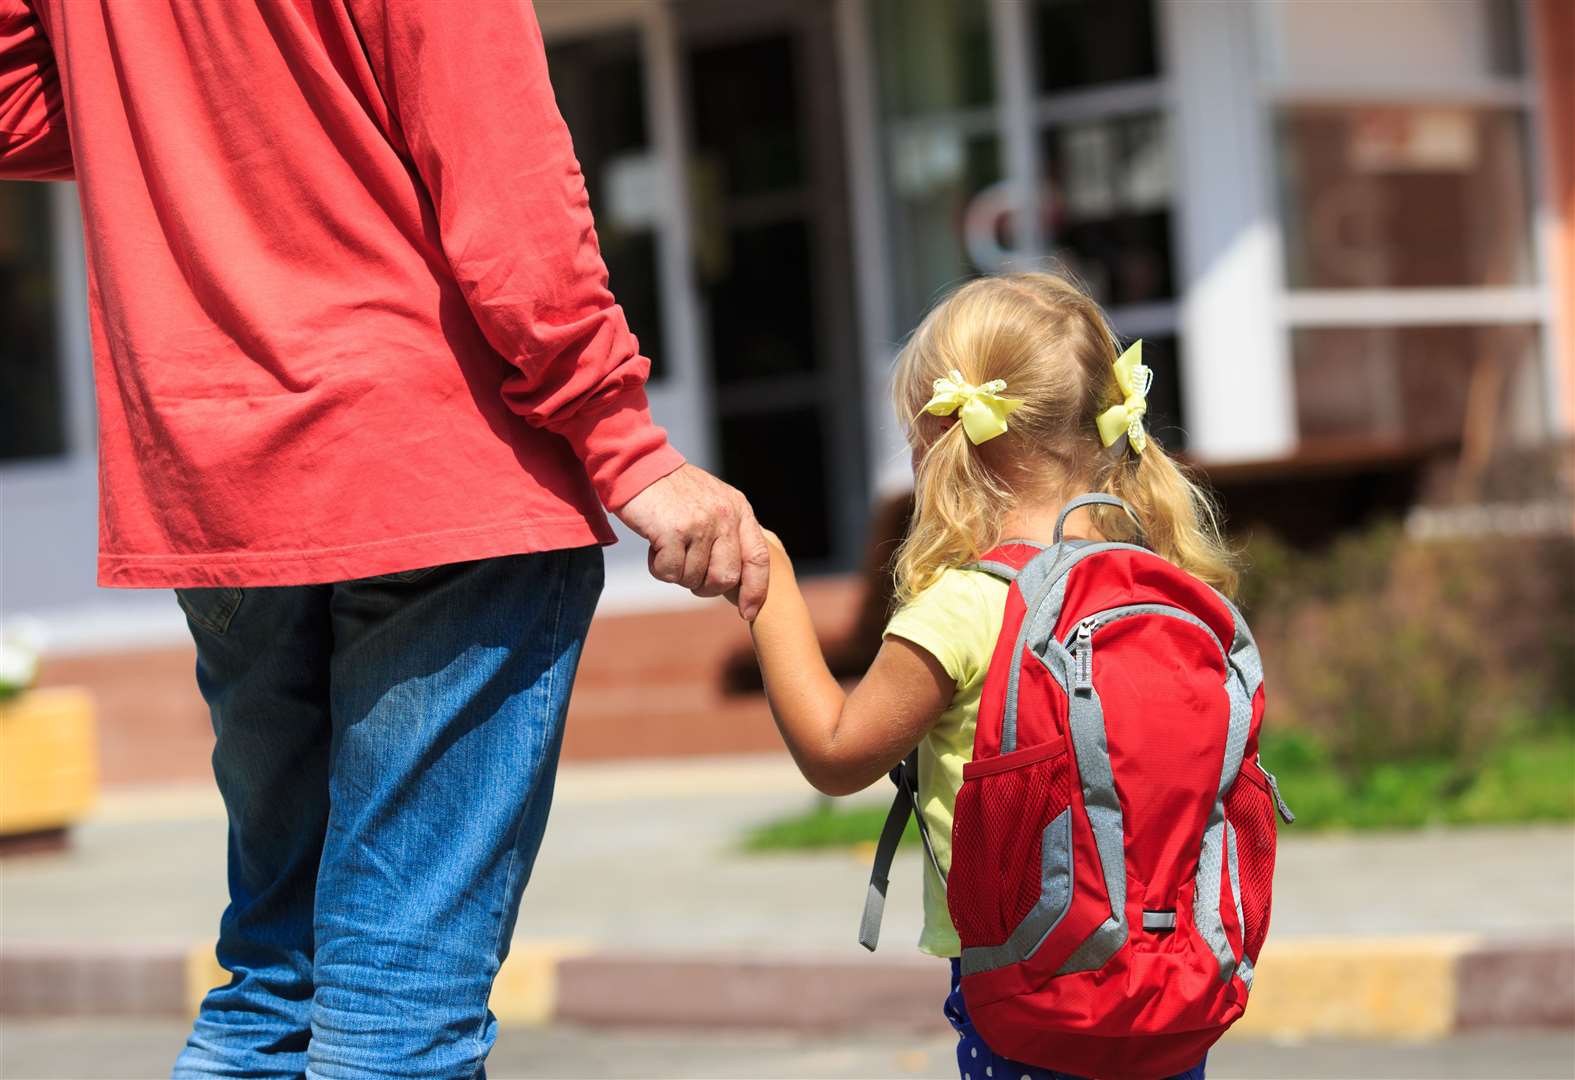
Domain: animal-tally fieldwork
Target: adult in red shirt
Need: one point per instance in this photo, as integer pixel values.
(362, 395)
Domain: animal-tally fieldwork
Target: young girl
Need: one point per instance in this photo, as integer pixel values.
(1013, 405)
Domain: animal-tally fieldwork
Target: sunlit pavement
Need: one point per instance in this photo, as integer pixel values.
(655, 843)
(123, 1050)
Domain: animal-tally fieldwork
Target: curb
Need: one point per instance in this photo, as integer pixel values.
(1377, 988)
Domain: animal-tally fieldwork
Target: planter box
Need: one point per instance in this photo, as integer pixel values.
(48, 760)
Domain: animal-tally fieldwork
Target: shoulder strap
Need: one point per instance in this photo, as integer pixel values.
(906, 777)
(1095, 499)
(1007, 559)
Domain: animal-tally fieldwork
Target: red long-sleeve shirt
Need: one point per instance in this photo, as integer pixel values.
(349, 313)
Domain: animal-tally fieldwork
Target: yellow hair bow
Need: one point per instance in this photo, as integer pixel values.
(984, 411)
(1134, 379)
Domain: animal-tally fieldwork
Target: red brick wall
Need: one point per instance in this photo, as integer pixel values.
(649, 685)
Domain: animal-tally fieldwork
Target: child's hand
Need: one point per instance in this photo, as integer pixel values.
(780, 564)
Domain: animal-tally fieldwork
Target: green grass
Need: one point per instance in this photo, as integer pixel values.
(1528, 778)
(825, 826)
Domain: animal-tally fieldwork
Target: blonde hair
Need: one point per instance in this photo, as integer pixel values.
(1052, 344)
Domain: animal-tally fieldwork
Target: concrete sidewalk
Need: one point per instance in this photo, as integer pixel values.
(642, 910)
(142, 1049)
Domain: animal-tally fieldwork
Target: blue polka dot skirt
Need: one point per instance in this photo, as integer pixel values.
(976, 1061)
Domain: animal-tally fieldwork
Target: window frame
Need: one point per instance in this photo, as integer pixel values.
(1468, 305)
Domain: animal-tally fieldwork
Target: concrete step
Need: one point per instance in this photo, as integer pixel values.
(649, 685)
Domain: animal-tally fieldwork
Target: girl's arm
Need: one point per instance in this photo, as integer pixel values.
(841, 742)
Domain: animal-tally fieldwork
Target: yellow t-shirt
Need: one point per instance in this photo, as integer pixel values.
(956, 620)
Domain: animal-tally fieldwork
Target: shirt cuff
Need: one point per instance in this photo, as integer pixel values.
(623, 449)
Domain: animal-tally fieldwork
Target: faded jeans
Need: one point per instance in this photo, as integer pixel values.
(385, 749)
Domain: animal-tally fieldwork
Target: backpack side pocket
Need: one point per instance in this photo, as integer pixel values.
(1006, 817)
(1249, 808)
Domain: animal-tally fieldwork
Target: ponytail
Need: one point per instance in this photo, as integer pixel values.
(957, 501)
(1179, 519)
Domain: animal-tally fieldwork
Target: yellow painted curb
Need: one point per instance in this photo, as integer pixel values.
(526, 989)
(524, 993)
(1363, 988)
(1388, 988)
(203, 973)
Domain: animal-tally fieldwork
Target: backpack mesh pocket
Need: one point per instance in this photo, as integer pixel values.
(1002, 811)
(1250, 810)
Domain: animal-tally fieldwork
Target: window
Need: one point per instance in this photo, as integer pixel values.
(600, 86)
(1103, 154)
(1108, 212)
(942, 146)
(1107, 189)
(32, 414)
(1084, 43)
(1402, 148)
(1413, 384)
(1056, 155)
(1382, 196)
(935, 56)
(770, 244)
(746, 109)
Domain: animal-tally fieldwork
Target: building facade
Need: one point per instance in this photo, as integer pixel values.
(1336, 224)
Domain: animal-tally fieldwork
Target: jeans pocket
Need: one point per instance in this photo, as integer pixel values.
(211, 609)
(401, 577)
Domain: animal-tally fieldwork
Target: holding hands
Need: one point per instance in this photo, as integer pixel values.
(703, 536)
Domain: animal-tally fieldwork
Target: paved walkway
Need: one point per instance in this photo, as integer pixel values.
(142, 1050)
(643, 855)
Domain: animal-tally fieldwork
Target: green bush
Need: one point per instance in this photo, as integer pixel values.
(1526, 778)
(1409, 683)
(1385, 650)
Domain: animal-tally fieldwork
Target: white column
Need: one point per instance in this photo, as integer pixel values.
(884, 443)
(682, 399)
(1011, 34)
(1237, 385)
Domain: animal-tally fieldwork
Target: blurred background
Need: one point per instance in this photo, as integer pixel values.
(1345, 231)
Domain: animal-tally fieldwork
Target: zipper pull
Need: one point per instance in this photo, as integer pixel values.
(1279, 800)
(1083, 655)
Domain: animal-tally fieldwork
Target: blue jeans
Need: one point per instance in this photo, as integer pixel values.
(386, 750)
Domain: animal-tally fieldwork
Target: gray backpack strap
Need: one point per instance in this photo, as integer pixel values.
(1000, 569)
(1094, 499)
(906, 777)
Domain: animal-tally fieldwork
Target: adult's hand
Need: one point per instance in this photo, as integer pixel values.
(703, 536)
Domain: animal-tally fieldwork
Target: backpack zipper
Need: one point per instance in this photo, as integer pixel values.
(1081, 644)
(1081, 641)
(1083, 654)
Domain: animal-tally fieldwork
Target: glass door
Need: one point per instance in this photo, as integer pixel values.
(612, 71)
(1023, 134)
(771, 257)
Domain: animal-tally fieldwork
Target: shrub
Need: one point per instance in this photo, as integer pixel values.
(1389, 649)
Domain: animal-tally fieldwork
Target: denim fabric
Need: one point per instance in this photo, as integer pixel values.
(386, 750)
(976, 1061)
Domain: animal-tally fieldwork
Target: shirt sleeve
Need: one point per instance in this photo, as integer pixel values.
(470, 98)
(34, 142)
(950, 620)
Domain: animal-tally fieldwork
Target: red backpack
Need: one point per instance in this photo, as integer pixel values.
(1113, 843)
